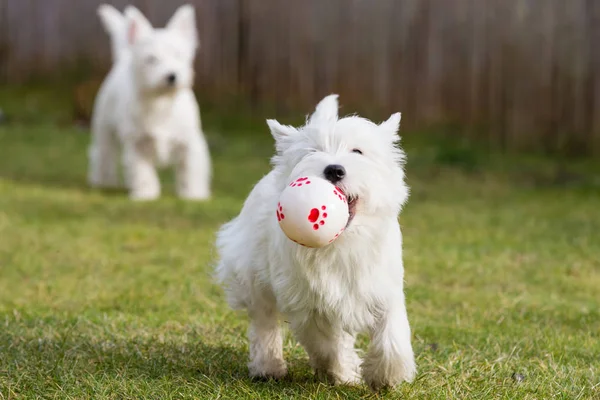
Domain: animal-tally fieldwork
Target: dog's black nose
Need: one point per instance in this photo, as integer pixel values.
(171, 78)
(334, 173)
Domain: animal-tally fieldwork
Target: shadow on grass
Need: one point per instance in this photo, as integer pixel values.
(213, 369)
(168, 213)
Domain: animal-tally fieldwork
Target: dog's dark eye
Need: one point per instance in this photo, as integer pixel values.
(357, 151)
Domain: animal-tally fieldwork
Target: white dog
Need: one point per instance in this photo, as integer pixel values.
(332, 293)
(146, 103)
(115, 24)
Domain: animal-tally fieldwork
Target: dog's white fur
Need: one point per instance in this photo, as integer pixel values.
(329, 294)
(156, 122)
(115, 25)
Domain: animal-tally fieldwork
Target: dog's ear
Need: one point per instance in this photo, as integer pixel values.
(183, 22)
(283, 134)
(391, 126)
(326, 111)
(138, 26)
(112, 20)
(115, 24)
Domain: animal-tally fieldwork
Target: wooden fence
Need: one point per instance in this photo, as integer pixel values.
(520, 73)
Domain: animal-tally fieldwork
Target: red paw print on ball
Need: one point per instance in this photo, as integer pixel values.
(300, 182)
(337, 235)
(340, 195)
(314, 216)
(279, 212)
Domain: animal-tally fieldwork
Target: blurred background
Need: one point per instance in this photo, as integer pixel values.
(518, 74)
(102, 297)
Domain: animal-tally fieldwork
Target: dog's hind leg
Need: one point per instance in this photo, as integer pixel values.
(266, 343)
(193, 172)
(331, 351)
(103, 158)
(141, 176)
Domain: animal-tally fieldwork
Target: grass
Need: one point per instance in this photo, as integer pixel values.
(107, 299)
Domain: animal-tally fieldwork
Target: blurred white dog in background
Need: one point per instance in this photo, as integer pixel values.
(115, 25)
(146, 106)
(328, 294)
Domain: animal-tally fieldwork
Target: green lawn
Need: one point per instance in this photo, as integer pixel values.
(104, 298)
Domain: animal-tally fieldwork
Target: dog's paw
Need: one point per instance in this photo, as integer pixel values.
(194, 196)
(97, 182)
(144, 195)
(276, 369)
(387, 373)
(345, 373)
(345, 377)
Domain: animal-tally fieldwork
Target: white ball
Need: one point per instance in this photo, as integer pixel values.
(312, 212)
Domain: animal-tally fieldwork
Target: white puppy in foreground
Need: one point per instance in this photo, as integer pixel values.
(146, 106)
(332, 293)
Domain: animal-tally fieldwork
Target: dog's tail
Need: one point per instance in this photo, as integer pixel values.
(115, 24)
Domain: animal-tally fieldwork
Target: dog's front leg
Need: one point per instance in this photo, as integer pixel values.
(331, 351)
(390, 359)
(142, 178)
(266, 343)
(193, 170)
